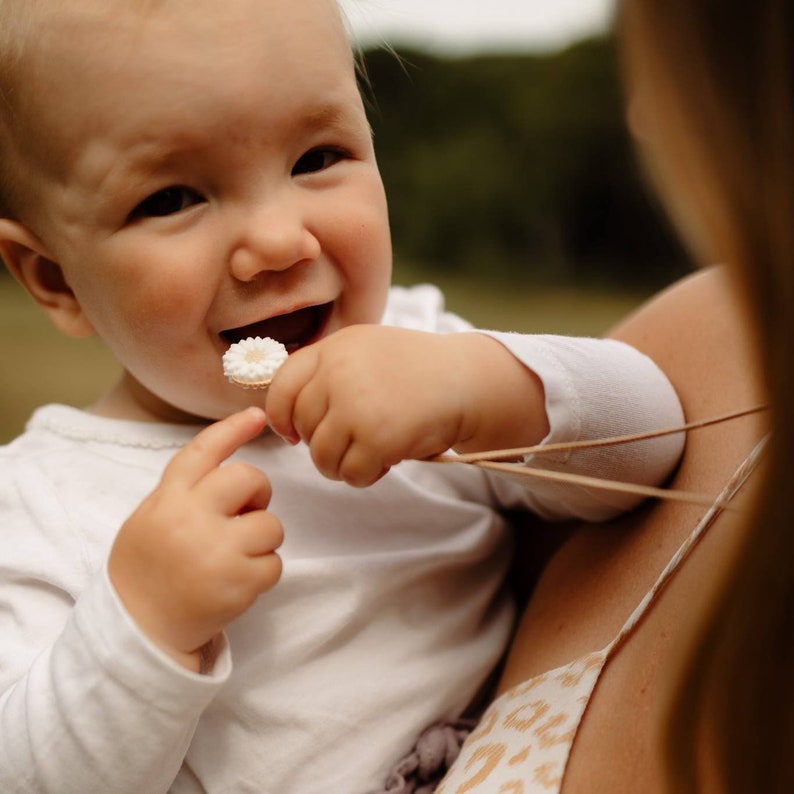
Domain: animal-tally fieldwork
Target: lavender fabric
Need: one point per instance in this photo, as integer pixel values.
(435, 751)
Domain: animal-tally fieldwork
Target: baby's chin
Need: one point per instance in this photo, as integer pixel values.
(205, 412)
(129, 399)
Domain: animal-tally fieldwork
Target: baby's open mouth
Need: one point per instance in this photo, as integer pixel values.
(293, 330)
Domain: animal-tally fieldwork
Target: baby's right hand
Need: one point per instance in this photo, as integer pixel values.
(200, 548)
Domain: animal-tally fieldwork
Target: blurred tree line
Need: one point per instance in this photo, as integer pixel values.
(517, 167)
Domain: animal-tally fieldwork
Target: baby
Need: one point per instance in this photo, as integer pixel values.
(177, 177)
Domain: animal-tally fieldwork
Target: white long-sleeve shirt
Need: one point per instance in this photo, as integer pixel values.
(390, 612)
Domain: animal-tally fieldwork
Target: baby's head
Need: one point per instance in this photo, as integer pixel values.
(181, 174)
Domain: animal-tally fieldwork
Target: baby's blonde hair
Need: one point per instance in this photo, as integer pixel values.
(17, 26)
(20, 23)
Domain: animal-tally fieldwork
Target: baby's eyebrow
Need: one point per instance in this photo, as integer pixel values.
(330, 117)
(159, 151)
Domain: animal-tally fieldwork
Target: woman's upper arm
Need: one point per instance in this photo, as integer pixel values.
(697, 332)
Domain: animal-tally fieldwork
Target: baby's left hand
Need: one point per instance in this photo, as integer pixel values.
(369, 396)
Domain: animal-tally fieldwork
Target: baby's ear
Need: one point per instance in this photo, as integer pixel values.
(29, 262)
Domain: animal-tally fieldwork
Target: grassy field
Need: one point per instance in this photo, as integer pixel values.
(40, 365)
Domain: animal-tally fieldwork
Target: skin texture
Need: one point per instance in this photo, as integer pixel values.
(202, 173)
(696, 333)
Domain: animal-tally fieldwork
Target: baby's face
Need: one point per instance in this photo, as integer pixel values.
(209, 176)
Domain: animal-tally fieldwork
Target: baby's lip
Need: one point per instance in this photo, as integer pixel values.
(294, 329)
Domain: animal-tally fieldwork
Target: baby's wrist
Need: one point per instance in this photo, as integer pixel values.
(507, 401)
(466, 357)
(194, 662)
(144, 616)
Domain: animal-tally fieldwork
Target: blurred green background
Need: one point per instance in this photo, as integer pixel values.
(517, 169)
(512, 185)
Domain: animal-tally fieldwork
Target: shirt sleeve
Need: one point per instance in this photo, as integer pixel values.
(597, 388)
(594, 388)
(86, 702)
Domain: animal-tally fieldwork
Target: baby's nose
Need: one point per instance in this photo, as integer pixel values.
(273, 241)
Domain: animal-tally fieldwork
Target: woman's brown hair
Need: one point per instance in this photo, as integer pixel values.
(715, 91)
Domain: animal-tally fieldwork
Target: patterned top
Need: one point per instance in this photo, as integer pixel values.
(523, 741)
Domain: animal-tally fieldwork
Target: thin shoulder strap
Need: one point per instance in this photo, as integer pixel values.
(720, 504)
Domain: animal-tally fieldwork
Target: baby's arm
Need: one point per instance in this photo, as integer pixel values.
(88, 702)
(370, 396)
(598, 388)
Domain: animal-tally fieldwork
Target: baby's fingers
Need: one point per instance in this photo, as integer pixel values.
(257, 535)
(235, 488)
(260, 533)
(360, 468)
(212, 446)
(296, 372)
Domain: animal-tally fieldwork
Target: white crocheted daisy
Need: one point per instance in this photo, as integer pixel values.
(252, 363)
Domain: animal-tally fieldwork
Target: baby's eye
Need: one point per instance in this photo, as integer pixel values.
(316, 160)
(168, 201)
